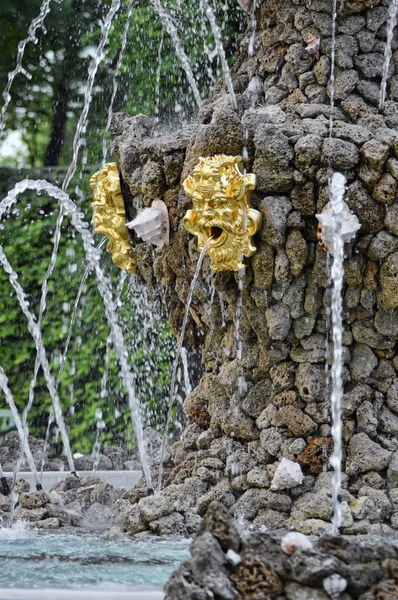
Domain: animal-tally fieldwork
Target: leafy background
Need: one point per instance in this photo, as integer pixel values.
(44, 113)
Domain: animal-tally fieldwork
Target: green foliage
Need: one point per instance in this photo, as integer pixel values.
(26, 239)
(59, 62)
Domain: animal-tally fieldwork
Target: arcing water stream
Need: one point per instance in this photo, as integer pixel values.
(180, 52)
(115, 82)
(79, 134)
(37, 23)
(20, 428)
(221, 52)
(92, 257)
(36, 334)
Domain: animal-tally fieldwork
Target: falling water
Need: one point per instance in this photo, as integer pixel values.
(238, 337)
(391, 23)
(103, 393)
(337, 189)
(37, 23)
(176, 360)
(74, 315)
(77, 143)
(187, 381)
(158, 72)
(221, 52)
(4, 487)
(253, 24)
(97, 444)
(82, 123)
(327, 373)
(173, 33)
(62, 363)
(92, 257)
(21, 430)
(115, 82)
(14, 500)
(120, 285)
(36, 334)
(332, 68)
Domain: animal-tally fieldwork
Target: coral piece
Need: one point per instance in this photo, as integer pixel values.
(288, 474)
(316, 454)
(384, 590)
(256, 580)
(313, 44)
(218, 521)
(221, 210)
(152, 225)
(334, 586)
(109, 215)
(198, 415)
(293, 541)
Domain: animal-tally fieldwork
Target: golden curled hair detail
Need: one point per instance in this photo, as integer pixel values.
(109, 215)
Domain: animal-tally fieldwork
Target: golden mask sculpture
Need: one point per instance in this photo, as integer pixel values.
(110, 217)
(221, 195)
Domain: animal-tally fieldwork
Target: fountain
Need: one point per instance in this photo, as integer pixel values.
(294, 133)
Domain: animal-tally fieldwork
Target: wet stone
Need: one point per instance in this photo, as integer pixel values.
(366, 455)
(385, 190)
(382, 245)
(272, 160)
(388, 295)
(345, 82)
(342, 155)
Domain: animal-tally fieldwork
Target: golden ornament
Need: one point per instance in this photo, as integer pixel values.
(221, 196)
(109, 215)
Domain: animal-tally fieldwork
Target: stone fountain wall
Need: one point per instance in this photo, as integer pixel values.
(232, 443)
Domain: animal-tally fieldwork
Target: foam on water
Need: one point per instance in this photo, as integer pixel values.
(18, 531)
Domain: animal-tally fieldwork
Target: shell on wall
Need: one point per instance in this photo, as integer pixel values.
(313, 44)
(152, 224)
(293, 541)
(288, 474)
(349, 227)
(334, 586)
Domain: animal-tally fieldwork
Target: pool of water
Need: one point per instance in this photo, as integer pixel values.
(111, 565)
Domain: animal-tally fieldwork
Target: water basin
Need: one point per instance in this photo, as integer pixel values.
(70, 566)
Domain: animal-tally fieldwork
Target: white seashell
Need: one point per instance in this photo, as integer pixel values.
(349, 221)
(313, 44)
(334, 586)
(295, 541)
(152, 224)
(288, 474)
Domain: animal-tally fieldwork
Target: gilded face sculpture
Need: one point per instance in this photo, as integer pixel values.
(221, 210)
(109, 215)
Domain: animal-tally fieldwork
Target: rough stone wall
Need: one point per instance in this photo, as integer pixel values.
(227, 566)
(232, 444)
